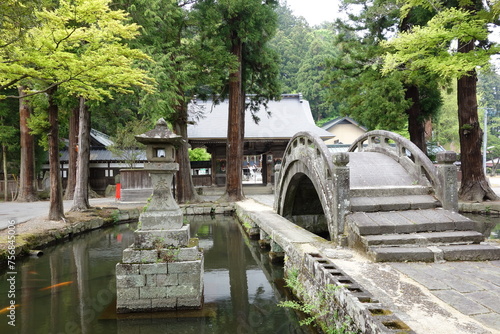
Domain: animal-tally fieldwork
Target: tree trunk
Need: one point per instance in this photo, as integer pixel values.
(474, 186)
(416, 124)
(72, 152)
(81, 196)
(184, 181)
(5, 175)
(27, 191)
(234, 150)
(56, 211)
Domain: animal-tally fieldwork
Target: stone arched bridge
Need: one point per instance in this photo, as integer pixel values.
(384, 196)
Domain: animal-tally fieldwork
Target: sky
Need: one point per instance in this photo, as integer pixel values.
(315, 11)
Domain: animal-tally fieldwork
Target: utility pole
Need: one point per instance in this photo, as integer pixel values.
(485, 138)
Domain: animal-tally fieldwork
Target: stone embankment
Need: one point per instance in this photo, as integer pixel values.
(37, 234)
(354, 293)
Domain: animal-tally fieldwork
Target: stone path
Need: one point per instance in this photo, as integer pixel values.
(472, 288)
(445, 298)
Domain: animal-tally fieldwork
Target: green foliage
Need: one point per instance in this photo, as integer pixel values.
(445, 125)
(428, 47)
(316, 307)
(291, 42)
(79, 47)
(15, 18)
(188, 60)
(9, 124)
(312, 71)
(115, 215)
(303, 51)
(253, 22)
(358, 87)
(199, 154)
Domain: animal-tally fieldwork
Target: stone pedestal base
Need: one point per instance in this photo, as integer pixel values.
(161, 238)
(151, 280)
(166, 219)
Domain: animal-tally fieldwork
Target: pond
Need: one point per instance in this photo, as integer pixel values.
(71, 288)
(489, 225)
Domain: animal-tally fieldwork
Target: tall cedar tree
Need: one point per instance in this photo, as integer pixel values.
(73, 130)
(81, 193)
(247, 26)
(27, 191)
(428, 48)
(189, 62)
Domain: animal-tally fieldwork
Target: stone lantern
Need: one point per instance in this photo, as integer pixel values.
(162, 211)
(163, 269)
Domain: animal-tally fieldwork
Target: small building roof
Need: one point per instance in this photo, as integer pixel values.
(103, 155)
(99, 139)
(281, 120)
(342, 120)
(98, 150)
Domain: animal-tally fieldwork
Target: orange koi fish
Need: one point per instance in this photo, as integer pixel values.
(32, 272)
(8, 308)
(56, 285)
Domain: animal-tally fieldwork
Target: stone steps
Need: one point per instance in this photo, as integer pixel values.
(408, 221)
(480, 252)
(393, 203)
(386, 191)
(419, 235)
(423, 238)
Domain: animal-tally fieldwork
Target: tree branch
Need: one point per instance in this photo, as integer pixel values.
(38, 91)
(13, 82)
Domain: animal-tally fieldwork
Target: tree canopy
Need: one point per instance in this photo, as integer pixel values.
(79, 47)
(452, 45)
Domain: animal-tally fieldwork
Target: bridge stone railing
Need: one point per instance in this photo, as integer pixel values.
(442, 179)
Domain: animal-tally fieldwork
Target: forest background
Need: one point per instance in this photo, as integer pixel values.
(177, 52)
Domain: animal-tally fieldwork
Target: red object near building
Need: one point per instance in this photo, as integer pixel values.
(118, 191)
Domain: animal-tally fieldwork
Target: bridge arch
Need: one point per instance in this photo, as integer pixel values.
(305, 184)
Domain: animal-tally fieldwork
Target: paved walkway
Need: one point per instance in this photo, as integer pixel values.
(445, 298)
(22, 212)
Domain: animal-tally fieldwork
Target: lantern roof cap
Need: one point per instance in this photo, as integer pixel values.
(160, 134)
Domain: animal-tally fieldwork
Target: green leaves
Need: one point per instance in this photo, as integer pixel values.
(433, 47)
(80, 47)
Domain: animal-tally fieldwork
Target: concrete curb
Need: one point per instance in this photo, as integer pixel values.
(98, 217)
(488, 208)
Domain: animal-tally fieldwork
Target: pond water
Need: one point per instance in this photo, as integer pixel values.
(490, 224)
(71, 288)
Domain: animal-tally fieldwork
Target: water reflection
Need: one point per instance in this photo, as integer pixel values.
(239, 297)
(488, 225)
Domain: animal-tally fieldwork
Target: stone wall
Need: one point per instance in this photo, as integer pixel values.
(159, 279)
(343, 302)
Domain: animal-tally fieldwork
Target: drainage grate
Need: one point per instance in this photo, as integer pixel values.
(323, 271)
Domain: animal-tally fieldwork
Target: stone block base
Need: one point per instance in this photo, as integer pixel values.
(161, 238)
(160, 285)
(162, 220)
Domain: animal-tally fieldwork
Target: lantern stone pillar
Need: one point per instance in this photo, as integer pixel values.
(163, 269)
